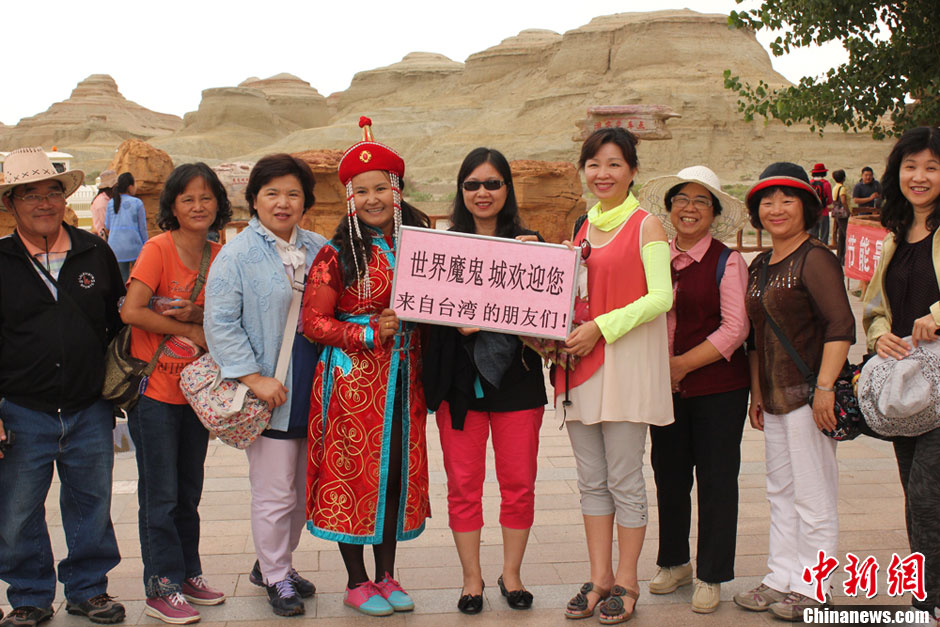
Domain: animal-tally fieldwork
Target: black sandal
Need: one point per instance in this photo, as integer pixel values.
(471, 603)
(517, 599)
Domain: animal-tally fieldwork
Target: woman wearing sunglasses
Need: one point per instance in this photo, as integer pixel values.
(479, 382)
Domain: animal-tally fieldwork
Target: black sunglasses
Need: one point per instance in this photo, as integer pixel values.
(472, 186)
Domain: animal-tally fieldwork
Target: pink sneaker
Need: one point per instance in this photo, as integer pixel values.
(172, 609)
(368, 599)
(198, 592)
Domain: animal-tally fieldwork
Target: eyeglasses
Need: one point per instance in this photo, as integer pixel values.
(681, 201)
(35, 199)
(472, 186)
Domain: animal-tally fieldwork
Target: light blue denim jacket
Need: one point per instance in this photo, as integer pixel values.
(248, 296)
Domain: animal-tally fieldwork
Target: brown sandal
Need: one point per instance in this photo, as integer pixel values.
(613, 611)
(578, 605)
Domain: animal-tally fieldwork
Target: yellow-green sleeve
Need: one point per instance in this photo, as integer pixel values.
(658, 299)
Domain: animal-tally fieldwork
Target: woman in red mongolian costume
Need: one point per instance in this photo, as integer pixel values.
(367, 478)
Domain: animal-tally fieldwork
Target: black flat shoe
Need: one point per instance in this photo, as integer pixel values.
(471, 603)
(517, 599)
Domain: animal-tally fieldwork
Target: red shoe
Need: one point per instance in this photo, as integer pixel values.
(172, 609)
(198, 592)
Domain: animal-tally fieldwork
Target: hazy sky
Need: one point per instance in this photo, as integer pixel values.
(163, 54)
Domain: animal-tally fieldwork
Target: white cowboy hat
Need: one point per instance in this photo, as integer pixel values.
(902, 397)
(653, 195)
(31, 165)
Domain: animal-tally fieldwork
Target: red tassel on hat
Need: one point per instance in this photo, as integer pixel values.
(366, 125)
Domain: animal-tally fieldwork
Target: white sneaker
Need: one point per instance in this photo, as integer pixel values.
(706, 597)
(667, 579)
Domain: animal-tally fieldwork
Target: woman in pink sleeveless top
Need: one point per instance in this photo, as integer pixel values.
(621, 384)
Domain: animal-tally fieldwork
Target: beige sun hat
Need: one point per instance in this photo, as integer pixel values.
(653, 198)
(31, 165)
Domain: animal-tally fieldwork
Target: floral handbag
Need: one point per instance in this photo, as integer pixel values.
(226, 407)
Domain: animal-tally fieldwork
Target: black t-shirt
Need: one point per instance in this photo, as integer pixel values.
(910, 284)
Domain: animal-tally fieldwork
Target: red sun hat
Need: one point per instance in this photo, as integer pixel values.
(819, 168)
(369, 155)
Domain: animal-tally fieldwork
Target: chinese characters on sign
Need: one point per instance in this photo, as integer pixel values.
(491, 283)
(903, 575)
(862, 250)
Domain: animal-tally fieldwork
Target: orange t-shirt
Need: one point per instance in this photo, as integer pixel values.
(160, 268)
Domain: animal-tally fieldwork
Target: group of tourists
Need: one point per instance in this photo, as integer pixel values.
(684, 341)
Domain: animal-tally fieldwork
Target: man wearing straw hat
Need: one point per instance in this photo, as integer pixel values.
(59, 288)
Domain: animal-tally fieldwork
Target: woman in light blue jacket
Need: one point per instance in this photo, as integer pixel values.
(248, 295)
(125, 220)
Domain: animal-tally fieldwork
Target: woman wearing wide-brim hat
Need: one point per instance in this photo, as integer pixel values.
(798, 284)
(708, 369)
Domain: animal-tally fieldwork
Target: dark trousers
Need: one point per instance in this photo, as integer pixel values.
(171, 448)
(706, 436)
(842, 224)
(919, 466)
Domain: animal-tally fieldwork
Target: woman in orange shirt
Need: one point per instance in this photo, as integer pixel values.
(164, 304)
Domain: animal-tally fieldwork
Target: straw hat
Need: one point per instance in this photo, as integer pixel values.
(653, 198)
(902, 397)
(31, 165)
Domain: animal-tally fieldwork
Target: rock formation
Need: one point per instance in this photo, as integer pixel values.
(292, 99)
(151, 167)
(523, 96)
(95, 113)
(549, 197)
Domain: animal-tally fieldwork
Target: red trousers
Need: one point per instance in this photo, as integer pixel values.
(515, 447)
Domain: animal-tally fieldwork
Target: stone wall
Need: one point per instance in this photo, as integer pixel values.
(151, 167)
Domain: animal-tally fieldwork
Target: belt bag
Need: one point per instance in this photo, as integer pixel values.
(226, 407)
(125, 376)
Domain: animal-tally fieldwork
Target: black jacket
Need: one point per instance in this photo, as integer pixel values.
(52, 351)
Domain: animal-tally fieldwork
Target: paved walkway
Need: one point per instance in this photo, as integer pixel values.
(871, 518)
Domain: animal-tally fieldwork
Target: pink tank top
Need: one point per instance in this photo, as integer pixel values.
(615, 279)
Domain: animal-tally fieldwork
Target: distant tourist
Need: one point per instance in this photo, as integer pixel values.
(621, 384)
(797, 284)
(710, 383)
(248, 297)
(126, 223)
(824, 191)
(99, 206)
(509, 404)
(169, 440)
(903, 301)
(841, 210)
(368, 463)
(58, 310)
(867, 193)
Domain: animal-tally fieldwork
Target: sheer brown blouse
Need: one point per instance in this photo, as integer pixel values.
(805, 294)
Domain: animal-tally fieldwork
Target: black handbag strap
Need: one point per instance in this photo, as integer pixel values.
(787, 346)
